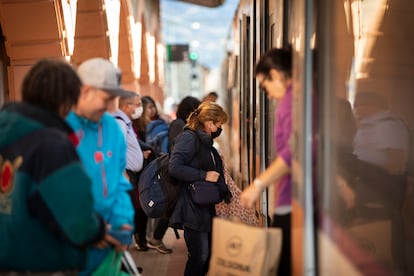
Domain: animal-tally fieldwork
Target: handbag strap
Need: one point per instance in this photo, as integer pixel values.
(214, 160)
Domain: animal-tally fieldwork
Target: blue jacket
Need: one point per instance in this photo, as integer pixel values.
(189, 162)
(46, 205)
(102, 149)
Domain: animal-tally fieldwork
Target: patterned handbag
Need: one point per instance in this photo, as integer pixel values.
(234, 209)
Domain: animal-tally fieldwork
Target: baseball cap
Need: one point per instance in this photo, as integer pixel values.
(102, 74)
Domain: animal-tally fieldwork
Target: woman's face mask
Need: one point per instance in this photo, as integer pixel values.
(216, 133)
(137, 112)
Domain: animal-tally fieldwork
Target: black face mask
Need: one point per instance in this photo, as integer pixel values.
(217, 133)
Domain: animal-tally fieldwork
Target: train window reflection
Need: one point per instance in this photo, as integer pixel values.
(371, 132)
(367, 17)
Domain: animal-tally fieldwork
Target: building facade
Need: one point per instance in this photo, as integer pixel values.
(127, 32)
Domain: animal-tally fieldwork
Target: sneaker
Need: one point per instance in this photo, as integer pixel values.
(159, 246)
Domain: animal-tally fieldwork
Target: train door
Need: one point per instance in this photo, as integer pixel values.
(301, 34)
(245, 113)
(253, 137)
(272, 36)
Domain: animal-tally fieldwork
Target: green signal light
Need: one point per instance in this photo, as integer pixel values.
(193, 56)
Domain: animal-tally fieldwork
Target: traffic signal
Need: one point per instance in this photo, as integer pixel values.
(193, 56)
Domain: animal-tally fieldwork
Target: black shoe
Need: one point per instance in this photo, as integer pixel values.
(141, 247)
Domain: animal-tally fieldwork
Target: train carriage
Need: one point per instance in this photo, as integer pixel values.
(343, 51)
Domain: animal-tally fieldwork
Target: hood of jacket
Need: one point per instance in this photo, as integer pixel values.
(18, 119)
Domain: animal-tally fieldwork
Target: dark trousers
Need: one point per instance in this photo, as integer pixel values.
(161, 228)
(199, 250)
(140, 218)
(285, 263)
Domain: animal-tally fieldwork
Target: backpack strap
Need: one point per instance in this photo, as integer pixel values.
(197, 140)
(122, 119)
(177, 235)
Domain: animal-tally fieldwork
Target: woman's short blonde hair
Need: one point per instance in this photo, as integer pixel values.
(206, 111)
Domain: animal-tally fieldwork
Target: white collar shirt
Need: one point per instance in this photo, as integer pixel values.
(135, 157)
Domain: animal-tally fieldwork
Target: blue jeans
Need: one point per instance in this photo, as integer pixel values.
(199, 250)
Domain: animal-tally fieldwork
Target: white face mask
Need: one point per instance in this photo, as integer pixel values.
(137, 113)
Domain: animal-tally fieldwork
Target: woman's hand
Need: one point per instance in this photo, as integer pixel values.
(107, 241)
(212, 176)
(249, 196)
(146, 153)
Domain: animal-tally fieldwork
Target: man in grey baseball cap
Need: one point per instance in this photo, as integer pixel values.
(102, 149)
(101, 84)
(102, 74)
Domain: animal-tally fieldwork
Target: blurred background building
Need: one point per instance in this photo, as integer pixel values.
(144, 38)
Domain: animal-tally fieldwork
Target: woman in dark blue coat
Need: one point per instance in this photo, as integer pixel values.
(194, 158)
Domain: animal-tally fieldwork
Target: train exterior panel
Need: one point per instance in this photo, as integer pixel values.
(352, 141)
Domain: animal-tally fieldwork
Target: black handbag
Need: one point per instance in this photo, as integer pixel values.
(204, 192)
